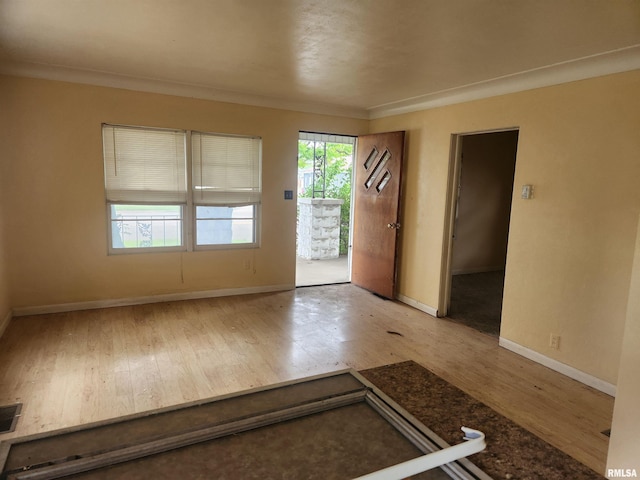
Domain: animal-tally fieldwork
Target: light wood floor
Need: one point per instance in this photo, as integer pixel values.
(79, 367)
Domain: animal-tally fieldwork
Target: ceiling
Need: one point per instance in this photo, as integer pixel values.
(363, 58)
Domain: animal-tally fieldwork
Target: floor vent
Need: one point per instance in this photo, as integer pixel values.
(606, 432)
(9, 415)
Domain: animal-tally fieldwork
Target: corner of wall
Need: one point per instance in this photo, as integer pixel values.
(418, 305)
(623, 445)
(4, 323)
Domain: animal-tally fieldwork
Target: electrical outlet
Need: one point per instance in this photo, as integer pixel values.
(554, 341)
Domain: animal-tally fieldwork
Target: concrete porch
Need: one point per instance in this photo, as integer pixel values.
(322, 272)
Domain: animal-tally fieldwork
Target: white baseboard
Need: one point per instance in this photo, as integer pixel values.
(420, 306)
(170, 297)
(4, 323)
(559, 367)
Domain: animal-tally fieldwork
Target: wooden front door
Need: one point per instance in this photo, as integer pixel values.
(378, 169)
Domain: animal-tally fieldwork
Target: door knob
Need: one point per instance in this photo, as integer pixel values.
(393, 225)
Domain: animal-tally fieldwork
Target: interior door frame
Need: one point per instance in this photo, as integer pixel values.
(451, 206)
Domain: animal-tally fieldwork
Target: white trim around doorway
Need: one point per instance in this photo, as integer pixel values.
(453, 180)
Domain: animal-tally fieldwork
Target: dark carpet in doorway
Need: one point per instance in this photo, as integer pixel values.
(476, 300)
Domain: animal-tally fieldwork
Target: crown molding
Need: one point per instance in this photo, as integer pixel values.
(150, 85)
(617, 61)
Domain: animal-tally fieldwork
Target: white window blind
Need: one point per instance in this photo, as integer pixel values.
(144, 165)
(225, 169)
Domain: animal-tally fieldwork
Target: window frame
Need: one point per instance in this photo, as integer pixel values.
(227, 246)
(194, 204)
(188, 218)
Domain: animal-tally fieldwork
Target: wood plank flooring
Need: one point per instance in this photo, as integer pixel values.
(78, 367)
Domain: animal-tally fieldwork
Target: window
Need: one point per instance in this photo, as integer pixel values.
(143, 226)
(146, 187)
(153, 205)
(226, 188)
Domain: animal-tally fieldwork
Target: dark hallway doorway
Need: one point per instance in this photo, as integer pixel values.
(481, 229)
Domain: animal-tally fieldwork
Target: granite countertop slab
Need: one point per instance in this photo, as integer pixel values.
(512, 451)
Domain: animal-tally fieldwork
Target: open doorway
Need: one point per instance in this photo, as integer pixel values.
(325, 175)
(481, 194)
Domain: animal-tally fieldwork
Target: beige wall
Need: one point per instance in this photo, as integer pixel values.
(571, 248)
(484, 204)
(5, 304)
(623, 447)
(52, 150)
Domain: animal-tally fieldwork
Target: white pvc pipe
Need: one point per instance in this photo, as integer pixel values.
(474, 443)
